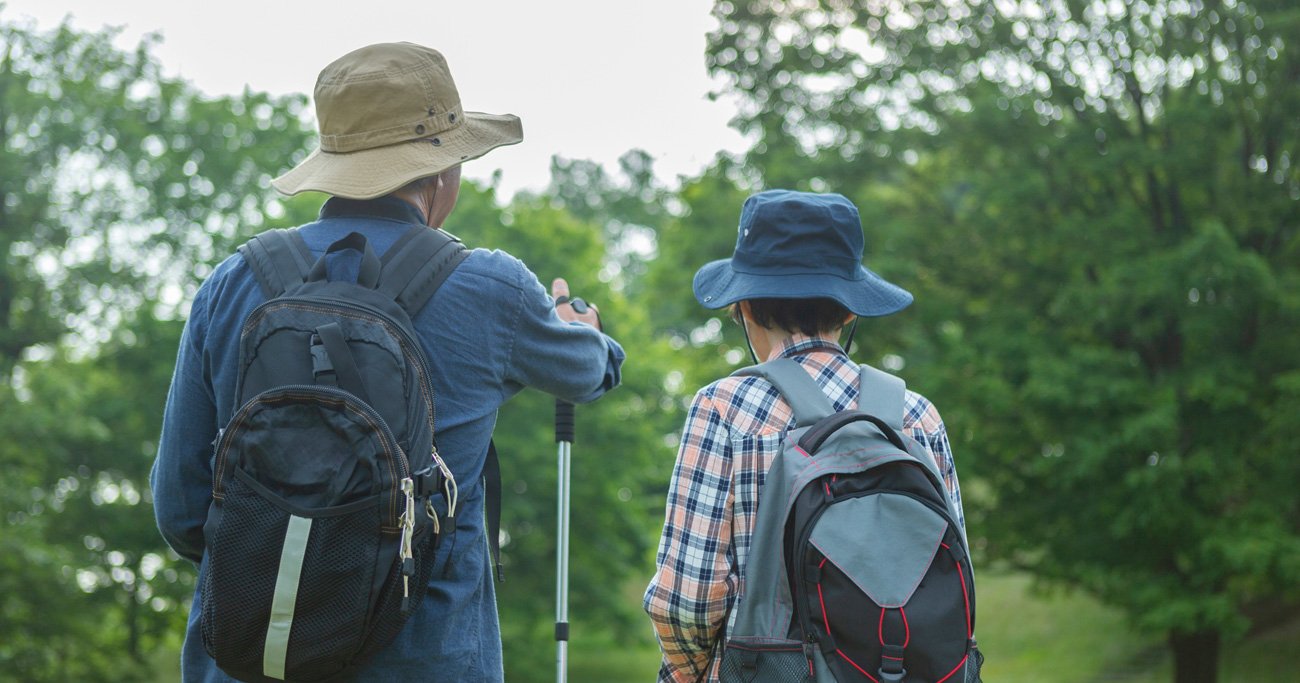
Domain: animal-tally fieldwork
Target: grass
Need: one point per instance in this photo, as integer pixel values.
(1028, 636)
(599, 661)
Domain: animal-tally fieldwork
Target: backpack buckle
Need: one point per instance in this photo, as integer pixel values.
(428, 481)
(891, 664)
(322, 368)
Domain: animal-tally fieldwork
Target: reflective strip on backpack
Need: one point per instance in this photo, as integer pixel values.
(286, 596)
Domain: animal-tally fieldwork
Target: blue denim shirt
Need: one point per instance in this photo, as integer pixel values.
(490, 331)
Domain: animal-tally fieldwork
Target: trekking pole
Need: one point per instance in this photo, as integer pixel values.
(564, 432)
(564, 437)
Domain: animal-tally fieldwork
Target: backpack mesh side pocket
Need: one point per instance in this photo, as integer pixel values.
(764, 663)
(390, 600)
(316, 616)
(337, 584)
(245, 521)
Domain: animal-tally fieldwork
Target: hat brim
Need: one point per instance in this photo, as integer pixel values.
(869, 295)
(371, 173)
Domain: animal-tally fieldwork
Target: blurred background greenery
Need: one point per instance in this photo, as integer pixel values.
(1096, 203)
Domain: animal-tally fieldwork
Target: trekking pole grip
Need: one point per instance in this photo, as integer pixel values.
(564, 430)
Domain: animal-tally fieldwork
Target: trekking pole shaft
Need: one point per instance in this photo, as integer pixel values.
(564, 436)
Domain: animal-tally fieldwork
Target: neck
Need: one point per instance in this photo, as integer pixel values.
(768, 340)
(418, 200)
(764, 342)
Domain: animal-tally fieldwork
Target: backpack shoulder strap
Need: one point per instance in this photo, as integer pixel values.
(279, 260)
(417, 264)
(882, 395)
(492, 505)
(799, 389)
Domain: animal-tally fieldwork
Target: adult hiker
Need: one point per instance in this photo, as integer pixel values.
(794, 282)
(393, 136)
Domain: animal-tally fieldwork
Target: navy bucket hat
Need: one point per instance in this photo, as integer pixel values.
(799, 245)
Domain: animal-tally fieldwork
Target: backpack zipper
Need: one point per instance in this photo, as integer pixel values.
(410, 348)
(405, 553)
(800, 577)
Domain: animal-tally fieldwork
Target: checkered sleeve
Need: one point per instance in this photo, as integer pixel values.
(695, 582)
(922, 420)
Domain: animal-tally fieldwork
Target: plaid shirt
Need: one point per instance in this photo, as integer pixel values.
(732, 433)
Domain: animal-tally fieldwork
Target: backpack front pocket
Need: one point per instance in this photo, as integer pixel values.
(315, 550)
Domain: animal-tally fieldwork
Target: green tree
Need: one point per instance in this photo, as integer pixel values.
(630, 210)
(1101, 204)
(118, 189)
(616, 458)
(90, 592)
(116, 179)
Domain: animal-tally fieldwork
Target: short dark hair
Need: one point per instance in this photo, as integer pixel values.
(809, 316)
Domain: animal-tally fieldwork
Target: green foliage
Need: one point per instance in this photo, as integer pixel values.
(1099, 204)
(616, 457)
(1096, 205)
(118, 187)
(116, 178)
(89, 591)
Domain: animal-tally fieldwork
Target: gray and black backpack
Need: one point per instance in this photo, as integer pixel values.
(858, 570)
(328, 491)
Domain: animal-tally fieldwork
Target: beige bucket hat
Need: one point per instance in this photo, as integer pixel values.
(389, 114)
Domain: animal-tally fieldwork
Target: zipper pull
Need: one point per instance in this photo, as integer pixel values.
(448, 484)
(433, 515)
(809, 648)
(408, 531)
(408, 571)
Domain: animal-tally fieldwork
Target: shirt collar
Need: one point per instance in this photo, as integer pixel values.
(800, 343)
(390, 208)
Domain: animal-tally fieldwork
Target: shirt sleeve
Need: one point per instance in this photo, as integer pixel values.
(569, 360)
(181, 480)
(695, 582)
(926, 427)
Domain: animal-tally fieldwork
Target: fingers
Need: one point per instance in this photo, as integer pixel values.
(559, 288)
(591, 316)
(565, 310)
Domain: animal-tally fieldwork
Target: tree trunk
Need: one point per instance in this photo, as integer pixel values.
(1196, 656)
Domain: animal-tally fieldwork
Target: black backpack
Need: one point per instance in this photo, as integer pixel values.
(858, 570)
(328, 491)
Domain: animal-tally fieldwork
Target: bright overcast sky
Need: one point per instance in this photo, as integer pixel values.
(590, 79)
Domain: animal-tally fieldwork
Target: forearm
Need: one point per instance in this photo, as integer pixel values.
(695, 581)
(570, 360)
(181, 480)
(687, 633)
